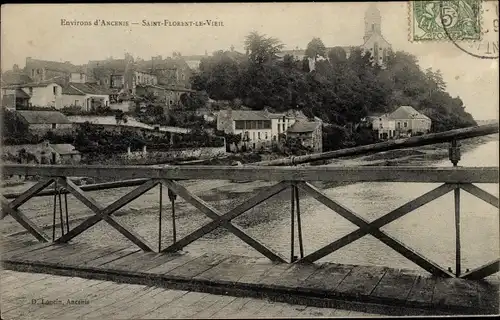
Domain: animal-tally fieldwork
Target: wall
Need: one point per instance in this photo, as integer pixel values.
(253, 134)
(420, 125)
(153, 157)
(69, 100)
(125, 106)
(277, 125)
(41, 129)
(78, 77)
(44, 96)
(225, 122)
(145, 78)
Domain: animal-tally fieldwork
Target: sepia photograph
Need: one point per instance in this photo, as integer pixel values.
(249, 160)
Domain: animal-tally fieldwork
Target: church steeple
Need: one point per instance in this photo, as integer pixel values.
(373, 22)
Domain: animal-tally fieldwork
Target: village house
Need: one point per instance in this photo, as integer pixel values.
(43, 153)
(308, 133)
(169, 95)
(409, 121)
(84, 95)
(43, 94)
(59, 72)
(172, 71)
(403, 122)
(14, 98)
(257, 128)
(40, 122)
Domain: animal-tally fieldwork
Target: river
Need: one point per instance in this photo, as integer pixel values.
(428, 230)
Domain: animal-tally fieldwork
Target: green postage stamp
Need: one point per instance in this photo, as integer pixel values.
(455, 20)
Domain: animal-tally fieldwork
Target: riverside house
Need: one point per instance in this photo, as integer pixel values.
(403, 122)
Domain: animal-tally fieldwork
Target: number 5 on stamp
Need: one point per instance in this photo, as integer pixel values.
(445, 20)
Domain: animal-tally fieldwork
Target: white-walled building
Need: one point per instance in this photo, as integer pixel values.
(404, 121)
(257, 128)
(48, 94)
(85, 96)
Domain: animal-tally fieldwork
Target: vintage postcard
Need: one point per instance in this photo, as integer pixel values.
(249, 160)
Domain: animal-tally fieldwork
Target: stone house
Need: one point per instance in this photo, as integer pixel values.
(408, 121)
(14, 98)
(171, 71)
(257, 128)
(59, 72)
(42, 94)
(40, 122)
(43, 153)
(85, 96)
(403, 122)
(308, 133)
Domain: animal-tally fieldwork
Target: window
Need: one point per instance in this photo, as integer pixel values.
(258, 135)
(38, 71)
(77, 102)
(54, 89)
(31, 91)
(32, 72)
(240, 125)
(54, 125)
(253, 135)
(81, 76)
(405, 124)
(171, 102)
(283, 127)
(266, 136)
(373, 26)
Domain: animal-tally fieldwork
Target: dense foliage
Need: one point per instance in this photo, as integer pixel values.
(341, 90)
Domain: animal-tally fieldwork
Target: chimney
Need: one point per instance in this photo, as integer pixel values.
(15, 68)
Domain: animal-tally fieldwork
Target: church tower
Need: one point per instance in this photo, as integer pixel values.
(373, 22)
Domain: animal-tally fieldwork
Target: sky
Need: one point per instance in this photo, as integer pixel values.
(35, 30)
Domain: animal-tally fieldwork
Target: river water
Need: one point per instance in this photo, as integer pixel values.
(429, 230)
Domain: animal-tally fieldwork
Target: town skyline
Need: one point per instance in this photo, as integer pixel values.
(474, 80)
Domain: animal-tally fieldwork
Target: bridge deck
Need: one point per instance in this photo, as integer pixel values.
(319, 285)
(108, 300)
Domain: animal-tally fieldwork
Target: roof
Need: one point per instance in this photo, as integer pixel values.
(43, 117)
(304, 126)
(21, 94)
(30, 85)
(246, 115)
(88, 88)
(167, 63)
(53, 65)
(64, 148)
(68, 90)
(407, 112)
(11, 77)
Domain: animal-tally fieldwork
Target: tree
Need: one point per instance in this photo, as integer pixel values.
(261, 48)
(315, 49)
(194, 101)
(337, 55)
